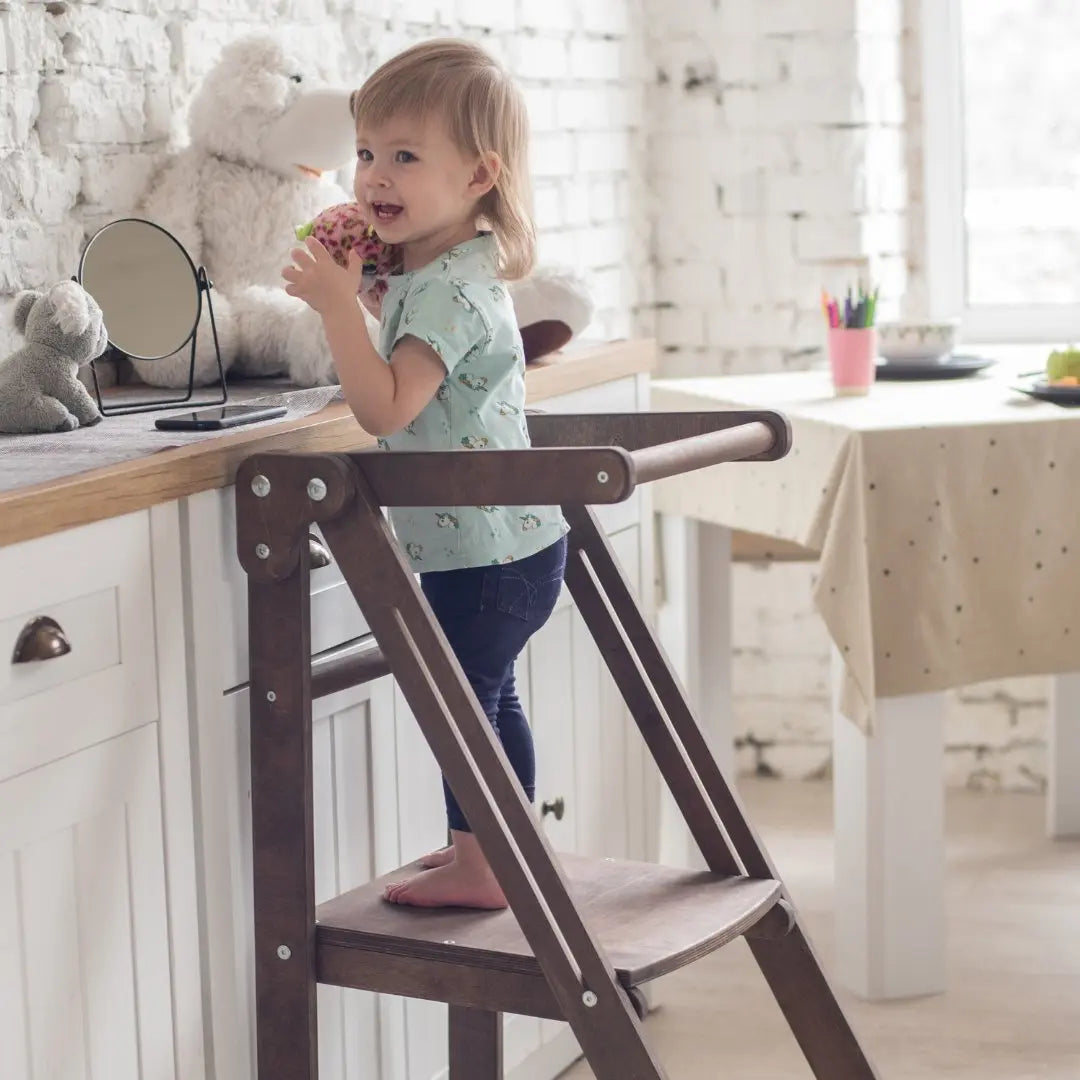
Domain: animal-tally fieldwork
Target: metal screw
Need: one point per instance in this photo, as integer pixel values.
(316, 489)
(602, 477)
(589, 998)
(449, 941)
(260, 485)
(284, 952)
(271, 696)
(262, 551)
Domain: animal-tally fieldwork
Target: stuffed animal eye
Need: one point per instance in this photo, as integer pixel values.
(297, 78)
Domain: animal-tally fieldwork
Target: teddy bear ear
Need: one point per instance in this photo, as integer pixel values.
(24, 301)
(70, 309)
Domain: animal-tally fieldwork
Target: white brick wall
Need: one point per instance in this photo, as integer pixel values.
(90, 94)
(708, 166)
(786, 155)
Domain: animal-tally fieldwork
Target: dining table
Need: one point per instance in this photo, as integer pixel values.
(944, 518)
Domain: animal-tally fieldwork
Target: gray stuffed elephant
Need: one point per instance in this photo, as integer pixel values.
(39, 385)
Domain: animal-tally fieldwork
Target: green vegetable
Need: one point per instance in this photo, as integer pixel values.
(1063, 362)
(304, 231)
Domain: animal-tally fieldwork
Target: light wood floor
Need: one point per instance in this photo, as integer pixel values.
(1012, 1011)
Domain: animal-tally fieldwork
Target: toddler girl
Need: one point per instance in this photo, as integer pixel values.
(441, 171)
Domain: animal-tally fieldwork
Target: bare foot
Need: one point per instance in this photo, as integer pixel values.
(438, 858)
(447, 886)
(464, 881)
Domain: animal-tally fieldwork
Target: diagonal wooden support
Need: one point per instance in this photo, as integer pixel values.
(472, 759)
(662, 711)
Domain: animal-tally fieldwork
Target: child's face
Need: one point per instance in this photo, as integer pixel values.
(414, 183)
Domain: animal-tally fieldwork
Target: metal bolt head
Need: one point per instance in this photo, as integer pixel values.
(316, 489)
(602, 477)
(260, 485)
(284, 952)
(262, 551)
(271, 696)
(589, 998)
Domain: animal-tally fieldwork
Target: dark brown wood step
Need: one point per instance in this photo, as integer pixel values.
(650, 920)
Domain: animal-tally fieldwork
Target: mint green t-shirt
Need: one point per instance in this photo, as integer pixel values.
(459, 307)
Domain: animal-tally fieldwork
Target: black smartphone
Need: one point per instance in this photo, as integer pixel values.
(224, 416)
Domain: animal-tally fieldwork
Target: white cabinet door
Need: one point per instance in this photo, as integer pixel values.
(354, 767)
(84, 938)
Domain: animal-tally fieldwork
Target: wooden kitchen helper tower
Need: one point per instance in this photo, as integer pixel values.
(581, 935)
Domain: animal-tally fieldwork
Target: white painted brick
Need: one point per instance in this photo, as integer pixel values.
(576, 204)
(603, 245)
(607, 17)
(693, 283)
(32, 255)
(552, 155)
(741, 328)
(559, 248)
(604, 200)
(547, 14)
(596, 59)
(30, 41)
(18, 109)
(603, 151)
(492, 15)
(820, 238)
(540, 101)
(548, 206)
(536, 57)
(47, 186)
(582, 107)
(117, 39)
(682, 326)
(116, 181)
(108, 109)
(808, 16)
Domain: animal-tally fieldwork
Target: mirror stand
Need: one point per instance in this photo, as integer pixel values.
(205, 285)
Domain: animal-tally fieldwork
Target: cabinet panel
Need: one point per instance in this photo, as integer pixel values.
(84, 956)
(107, 683)
(347, 805)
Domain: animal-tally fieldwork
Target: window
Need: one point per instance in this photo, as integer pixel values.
(1001, 115)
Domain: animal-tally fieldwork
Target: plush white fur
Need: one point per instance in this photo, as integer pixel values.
(234, 196)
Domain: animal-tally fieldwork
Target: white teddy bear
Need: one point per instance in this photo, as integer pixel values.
(262, 139)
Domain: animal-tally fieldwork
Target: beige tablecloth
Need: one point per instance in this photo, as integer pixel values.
(946, 516)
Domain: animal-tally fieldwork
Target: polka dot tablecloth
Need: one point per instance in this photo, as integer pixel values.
(946, 516)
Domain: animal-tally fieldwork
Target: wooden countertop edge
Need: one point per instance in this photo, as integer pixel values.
(31, 512)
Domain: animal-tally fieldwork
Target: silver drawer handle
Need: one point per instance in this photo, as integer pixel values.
(40, 639)
(317, 554)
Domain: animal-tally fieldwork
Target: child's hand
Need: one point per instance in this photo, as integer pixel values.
(317, 280)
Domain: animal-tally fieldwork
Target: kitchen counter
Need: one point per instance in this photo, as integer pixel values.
(37, 510)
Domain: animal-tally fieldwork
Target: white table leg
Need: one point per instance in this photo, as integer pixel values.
(888, 799)
(694, 624)
(1063, 758)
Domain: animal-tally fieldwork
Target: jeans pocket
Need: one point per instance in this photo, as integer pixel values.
(514, 594)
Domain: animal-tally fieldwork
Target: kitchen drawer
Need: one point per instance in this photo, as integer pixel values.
(96, 584)
(335, 615)
(617, 396)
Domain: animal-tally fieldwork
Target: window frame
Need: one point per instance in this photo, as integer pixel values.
(944, 187)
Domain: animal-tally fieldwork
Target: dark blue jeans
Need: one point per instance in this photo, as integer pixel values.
(488, 613)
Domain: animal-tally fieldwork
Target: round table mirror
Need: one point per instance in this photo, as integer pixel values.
(146, 285)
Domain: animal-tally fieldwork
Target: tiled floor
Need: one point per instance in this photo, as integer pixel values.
(1012, 1011)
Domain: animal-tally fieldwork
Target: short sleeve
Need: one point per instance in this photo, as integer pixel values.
(441, 314)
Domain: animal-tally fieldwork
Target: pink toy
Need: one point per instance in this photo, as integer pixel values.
(342, 228)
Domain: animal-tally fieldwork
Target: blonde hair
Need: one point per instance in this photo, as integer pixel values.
(484, 112)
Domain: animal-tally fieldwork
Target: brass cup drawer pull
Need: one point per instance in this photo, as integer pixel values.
(40, 639)
(317, 554)
(558, 808)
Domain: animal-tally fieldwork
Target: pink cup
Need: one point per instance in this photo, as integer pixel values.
(852, 359)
